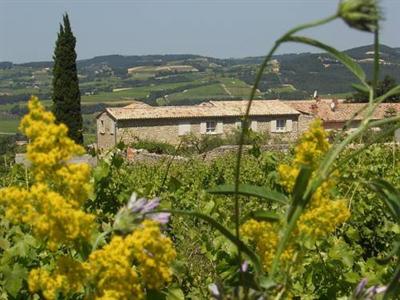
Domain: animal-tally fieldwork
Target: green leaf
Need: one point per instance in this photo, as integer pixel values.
(342, 57)
(389, 194)
(299, 189)
(4, 244)
(263, 216)
(360, 88)
(267, 283)
(223, 230)
(250, 190)
(174, 184)
(13, 278)
(155, 295)
(392, 92)
(175, 293)
(393, 288)
(208, 207)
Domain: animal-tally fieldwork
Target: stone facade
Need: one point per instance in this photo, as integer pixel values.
(110, 132)
(106, 131)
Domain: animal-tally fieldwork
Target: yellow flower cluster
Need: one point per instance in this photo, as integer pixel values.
(110, 272)
(154, 252)
(123, 268)
(323, 213)
(265, 237)
(51, 206)
(66, 278)
(312, 145)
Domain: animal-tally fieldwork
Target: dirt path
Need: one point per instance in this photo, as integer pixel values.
(226, 90)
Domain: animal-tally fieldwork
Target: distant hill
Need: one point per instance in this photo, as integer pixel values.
(288, 76)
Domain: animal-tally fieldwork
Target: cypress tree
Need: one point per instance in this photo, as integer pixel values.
(66, 94)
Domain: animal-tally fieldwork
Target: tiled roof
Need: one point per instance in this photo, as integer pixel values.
(342, 112)
(206, 109)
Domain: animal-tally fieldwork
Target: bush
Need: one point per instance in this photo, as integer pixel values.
(154, 146)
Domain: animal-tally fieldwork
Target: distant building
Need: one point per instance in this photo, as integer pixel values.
(171, 123)
(336, 113)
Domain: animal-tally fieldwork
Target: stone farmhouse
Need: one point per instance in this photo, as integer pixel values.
(283, 119)
(335, 113)
(171, 123)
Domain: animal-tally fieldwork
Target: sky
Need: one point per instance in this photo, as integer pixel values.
(218, 28)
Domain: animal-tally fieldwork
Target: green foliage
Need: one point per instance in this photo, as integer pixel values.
(154, 146)
(382, 88)
(66, 95)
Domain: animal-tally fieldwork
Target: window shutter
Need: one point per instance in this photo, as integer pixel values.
(220, 127)
(253, 126)
(289, 125)
(203, 127)
(183, 128)
(273, 125)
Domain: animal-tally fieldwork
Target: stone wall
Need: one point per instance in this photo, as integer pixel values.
(106, 132)
(304, 122)
(21, 159)
(167, 130)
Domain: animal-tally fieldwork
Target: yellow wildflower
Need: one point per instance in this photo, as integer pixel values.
(154, 252)
(52, 204)
(66, 278)
(111, 273)
(265, 237)
(120, 270)
(312, 145)
(323, 213)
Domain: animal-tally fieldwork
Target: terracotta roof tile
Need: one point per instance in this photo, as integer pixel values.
(342, 112)
(206, 109)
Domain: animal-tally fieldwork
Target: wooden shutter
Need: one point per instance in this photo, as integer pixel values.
(273, 125)
(253, 126)
(203, 127)
(289, 125)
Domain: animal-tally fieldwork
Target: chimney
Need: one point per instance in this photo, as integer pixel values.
(334, 104)
(314, 108)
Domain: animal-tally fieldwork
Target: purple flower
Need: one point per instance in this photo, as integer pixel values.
(245, 266)
(162, 217)
(360, 287)
(214, 290)
(150, 205)
(136, 205)
(142, 208)
(367, 294)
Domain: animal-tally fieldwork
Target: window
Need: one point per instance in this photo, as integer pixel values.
(211, 127)
(102, 127)
(280, 125)
(183, 128)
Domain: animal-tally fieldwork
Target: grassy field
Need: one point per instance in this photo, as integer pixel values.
(237, 87)
(9, 125)
(207, 92)
(133, 93)
(284, 89)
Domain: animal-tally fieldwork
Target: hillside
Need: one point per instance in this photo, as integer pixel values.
(186, 79)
